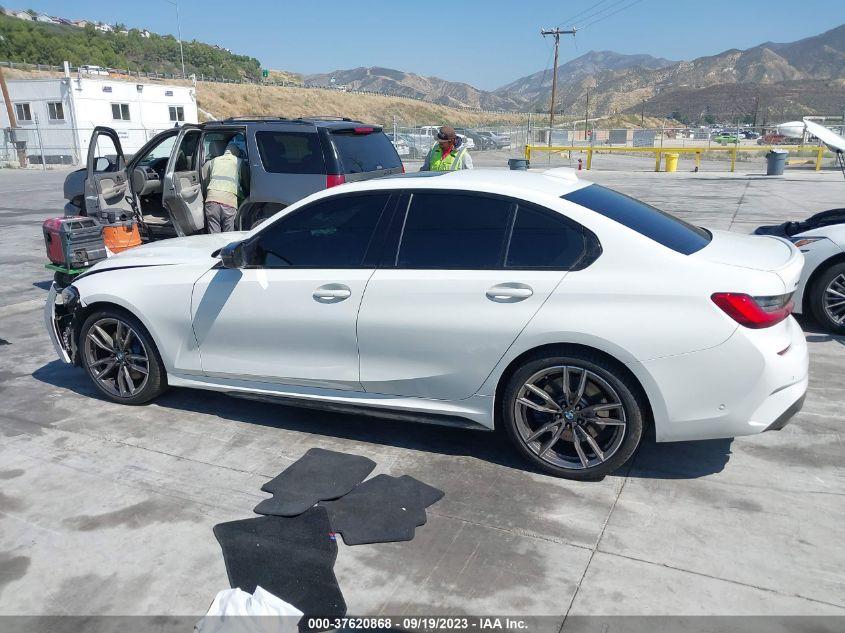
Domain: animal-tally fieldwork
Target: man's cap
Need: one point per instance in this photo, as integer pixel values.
(447, 133)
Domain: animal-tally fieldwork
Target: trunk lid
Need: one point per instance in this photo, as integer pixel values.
(756, 252)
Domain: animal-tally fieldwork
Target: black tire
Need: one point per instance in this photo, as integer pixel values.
(95, 358)
(606, 382)
(832, 276)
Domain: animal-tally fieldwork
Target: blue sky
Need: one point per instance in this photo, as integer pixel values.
(483, 42)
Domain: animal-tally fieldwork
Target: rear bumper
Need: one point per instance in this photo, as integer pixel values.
(755, 381)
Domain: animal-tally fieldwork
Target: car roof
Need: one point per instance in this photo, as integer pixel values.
(316, 121)
(515, 183)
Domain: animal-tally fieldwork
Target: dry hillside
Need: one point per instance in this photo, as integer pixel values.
(225, 100)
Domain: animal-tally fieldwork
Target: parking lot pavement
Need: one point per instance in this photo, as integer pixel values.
(108, 510)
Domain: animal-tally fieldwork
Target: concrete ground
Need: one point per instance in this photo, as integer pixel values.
(106, 509)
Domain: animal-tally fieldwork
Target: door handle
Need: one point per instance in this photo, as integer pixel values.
(509, 292)
(332, 293)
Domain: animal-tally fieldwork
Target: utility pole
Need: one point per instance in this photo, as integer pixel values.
(175, 3)
(556, 32)
(586, 116)
(13, 122)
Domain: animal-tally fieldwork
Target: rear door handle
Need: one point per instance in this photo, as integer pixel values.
(332, 293)
(509, 292)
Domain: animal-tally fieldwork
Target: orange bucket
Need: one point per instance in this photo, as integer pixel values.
(119, 237)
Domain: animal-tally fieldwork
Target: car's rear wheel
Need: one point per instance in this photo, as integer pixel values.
(827, 298)
(574, 416)
(120, 357)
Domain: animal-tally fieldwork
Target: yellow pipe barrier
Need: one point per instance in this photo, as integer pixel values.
(658, 152)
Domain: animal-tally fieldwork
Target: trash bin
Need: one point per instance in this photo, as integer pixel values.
(520, 164)
(775, 162)
(671, 161)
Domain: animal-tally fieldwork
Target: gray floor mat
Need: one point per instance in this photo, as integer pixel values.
(382, 509)
(319, 475)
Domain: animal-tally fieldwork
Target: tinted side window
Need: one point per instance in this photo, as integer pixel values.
(655, 224)
(365, 152)
(543, 239)
(333, 233)
(290, 152)
(454, 231)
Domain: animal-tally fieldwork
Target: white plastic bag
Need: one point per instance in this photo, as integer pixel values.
(236, 611)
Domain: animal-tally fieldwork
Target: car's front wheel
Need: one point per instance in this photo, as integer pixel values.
(120, 357)
(575, 416)
(827, 298)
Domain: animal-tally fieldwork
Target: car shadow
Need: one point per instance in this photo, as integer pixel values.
(815, 332)
(678, 460)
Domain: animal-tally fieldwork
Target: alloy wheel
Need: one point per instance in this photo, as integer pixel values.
(834, 299)
(116, 357)
(570, 417)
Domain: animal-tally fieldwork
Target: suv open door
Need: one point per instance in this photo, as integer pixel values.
(106, 183)
(182, 194)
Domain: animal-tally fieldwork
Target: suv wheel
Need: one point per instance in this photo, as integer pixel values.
(827, 298)
(120, 357)
(573, 416)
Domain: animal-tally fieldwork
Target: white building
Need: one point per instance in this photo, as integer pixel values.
(60, 114)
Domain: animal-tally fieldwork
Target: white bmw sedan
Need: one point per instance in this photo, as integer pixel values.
(568, 314)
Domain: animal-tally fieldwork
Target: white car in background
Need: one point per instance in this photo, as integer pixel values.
(568, 314)
(821, 291)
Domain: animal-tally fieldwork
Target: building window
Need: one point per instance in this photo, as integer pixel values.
(120, 111)
(22, 112)
(56, 111)
(177, 113)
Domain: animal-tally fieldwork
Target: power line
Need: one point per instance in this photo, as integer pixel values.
(580, 13)
(604, 17)
(592, 14)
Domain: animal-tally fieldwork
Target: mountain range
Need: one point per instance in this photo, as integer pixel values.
(771, 79)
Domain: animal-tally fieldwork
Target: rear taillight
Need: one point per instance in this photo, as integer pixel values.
(333, 180)
(403, 168)
(364, 130)
(754, 312)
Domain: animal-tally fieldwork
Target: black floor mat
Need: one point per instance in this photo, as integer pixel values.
(319, 475)
(292, 558)
(382, 509)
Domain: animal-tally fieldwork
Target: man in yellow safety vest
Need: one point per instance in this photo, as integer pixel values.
(224, 190)
(447, 154)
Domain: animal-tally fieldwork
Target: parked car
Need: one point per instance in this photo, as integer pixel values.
(524, 301)
(724, 138)
(285, 160)
(93, 70)
(401, 145)
(821, 290)
(750, 134)
(773, 139)
(479, 141)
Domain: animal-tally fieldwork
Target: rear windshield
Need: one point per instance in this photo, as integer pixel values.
(655, 224)
(361, 153)
(291, 152)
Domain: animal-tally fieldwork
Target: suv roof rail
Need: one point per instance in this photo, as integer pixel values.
(324, 118)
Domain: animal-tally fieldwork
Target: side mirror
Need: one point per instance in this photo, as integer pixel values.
(102, 164)
(233, 255)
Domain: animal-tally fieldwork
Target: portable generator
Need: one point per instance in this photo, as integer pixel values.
(120, 230)
(74, 243)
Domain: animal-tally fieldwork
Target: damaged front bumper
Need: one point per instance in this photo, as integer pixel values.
(59, 322)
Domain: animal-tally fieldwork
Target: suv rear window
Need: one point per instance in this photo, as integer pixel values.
(291, 152)
(655, 224)
(360, 153)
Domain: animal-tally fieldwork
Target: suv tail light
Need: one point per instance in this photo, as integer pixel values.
(333, 180)
(754, 312)
(364, 130)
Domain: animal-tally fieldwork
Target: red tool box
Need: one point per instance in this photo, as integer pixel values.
(75, 242)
